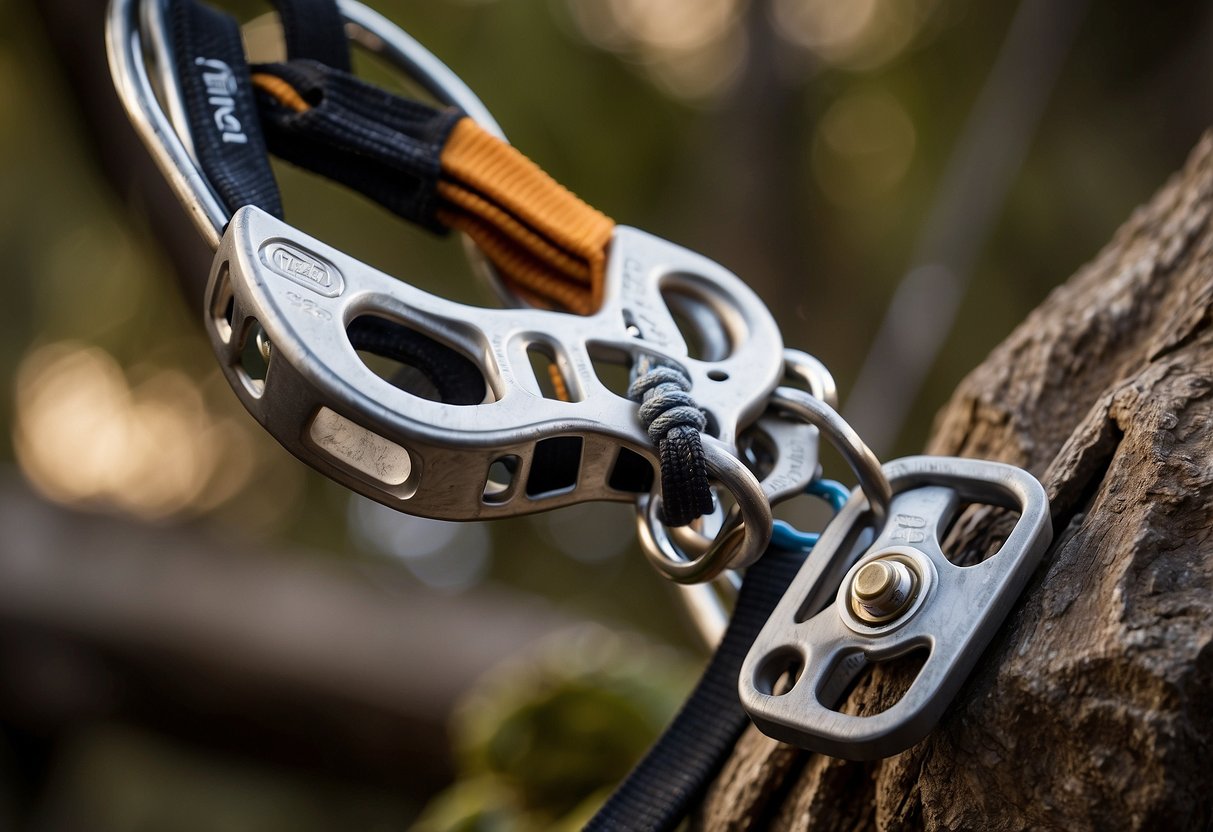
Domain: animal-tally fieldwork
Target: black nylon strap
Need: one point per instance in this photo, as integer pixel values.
(673, 776)
(314, 29)
(348, 144)
(220, 107)
(386, 147)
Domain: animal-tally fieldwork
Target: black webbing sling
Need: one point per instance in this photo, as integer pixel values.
(684, 761)
(217, 95)
(386, 147)
(313, 30)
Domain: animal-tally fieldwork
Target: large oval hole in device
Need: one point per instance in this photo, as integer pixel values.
(416, 363)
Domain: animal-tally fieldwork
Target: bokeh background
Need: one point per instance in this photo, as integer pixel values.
(196, 633)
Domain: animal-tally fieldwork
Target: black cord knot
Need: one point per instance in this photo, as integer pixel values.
(675, 426)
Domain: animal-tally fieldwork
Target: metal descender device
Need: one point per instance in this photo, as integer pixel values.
(290, 299)
(511, 452)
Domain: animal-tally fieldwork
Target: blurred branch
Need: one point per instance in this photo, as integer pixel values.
(271, 656)
(987, 158)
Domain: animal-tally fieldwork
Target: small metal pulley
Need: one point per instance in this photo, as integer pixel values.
(875, 592)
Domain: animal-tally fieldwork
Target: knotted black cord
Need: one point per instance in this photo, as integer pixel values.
(674, 425)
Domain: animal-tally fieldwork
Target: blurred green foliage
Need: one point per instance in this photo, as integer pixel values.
(544, 738)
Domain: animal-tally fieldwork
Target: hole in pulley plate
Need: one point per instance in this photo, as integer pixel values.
(223, 303)
(854, 672)
(555, 466)
(612, 367)
(779, 671)
(977, 532)
(631, 473)
(416, 363)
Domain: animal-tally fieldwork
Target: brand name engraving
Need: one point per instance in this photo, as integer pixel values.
(302, 267)
(295, 264)
(220, 83)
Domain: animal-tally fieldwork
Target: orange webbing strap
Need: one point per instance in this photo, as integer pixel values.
(287, 95)
(549, 246)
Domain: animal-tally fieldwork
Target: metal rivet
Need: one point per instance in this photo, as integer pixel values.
(874, 580)
(882, 590)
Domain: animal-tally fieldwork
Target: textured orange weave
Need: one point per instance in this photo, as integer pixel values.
(281, 90)
(558, 386)
(549, 246)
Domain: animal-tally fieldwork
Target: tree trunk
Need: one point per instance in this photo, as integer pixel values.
(1093, 707)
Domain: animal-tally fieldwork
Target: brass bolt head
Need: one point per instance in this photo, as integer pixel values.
(874, 580)
(883, 589)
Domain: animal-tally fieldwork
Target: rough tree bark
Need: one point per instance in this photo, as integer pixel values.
(1093, 707)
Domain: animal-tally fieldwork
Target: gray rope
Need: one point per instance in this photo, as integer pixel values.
(674, 425)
